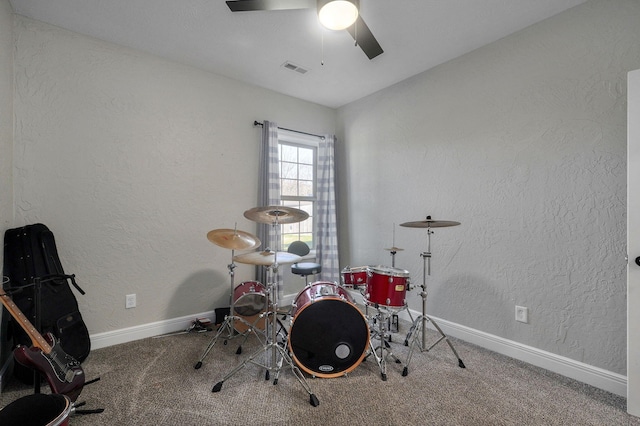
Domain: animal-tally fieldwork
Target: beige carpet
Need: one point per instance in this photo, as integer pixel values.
(153, 382)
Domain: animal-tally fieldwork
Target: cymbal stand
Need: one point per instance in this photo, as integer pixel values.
(419, 326)
(393, 257)
(228, 324)
(272, 344)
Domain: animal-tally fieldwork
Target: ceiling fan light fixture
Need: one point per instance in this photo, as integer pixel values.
(338, 14)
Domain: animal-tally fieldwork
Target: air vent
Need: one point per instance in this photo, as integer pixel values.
(293, 67)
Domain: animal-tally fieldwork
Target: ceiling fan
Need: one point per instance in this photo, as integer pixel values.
(355, 25)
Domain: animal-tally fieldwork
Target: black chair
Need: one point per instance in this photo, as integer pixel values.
(304, 269)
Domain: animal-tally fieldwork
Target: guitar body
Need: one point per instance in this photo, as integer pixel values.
(63, 373)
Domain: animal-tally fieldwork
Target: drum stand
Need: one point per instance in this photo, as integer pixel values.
(272, 345)
(419, 326)
(382, 318)
(228, 324)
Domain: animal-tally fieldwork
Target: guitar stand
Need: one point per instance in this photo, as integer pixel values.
(75, 410)
(382, 319)
(419, 326)
(37, 323)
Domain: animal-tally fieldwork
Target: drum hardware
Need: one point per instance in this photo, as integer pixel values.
(420, 324)
(383, 319)
(198, 325)
(392, 323)
(386, 290)
(234, 240)
(393, 249)
(274, 215)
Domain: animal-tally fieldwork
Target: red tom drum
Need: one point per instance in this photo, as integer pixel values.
(329, 336)
(355, 277)
(387, 286)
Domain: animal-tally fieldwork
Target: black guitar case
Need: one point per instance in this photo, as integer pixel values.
(31, 257)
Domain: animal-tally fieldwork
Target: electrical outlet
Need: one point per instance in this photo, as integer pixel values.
(522, 314)
(130, 301)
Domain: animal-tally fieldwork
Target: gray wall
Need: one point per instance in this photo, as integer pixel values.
(130, 160)
(6, 148)
(6, 115)
(524, 142)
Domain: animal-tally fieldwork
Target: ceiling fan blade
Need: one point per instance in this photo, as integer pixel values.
(249, 5)
(365, 39)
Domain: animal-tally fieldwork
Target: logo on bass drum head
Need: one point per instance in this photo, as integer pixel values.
(326, 368)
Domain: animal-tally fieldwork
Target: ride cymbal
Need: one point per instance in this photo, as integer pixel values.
(233, 239)
(273, 214)
(430, 223)
(266, 258)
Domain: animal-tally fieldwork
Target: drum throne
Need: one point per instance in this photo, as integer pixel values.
(303, 269)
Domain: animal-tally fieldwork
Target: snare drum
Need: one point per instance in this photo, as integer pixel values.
(355, 277)
(249, 301)
(387, 286)
(329, 336)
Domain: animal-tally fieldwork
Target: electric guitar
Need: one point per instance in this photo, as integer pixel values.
(63, 373)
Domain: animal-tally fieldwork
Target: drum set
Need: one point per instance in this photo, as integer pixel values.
(328, 335)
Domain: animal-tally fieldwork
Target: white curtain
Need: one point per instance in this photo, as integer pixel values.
(327, 238)
(268, 190)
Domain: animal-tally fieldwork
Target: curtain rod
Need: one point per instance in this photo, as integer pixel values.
(257, 123)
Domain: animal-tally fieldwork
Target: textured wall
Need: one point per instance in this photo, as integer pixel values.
(524, 142)
(131, 160)
(6, 116)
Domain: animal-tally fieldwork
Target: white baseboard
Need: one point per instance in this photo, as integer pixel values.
(585, 373)
(594, 376)
(124, 335)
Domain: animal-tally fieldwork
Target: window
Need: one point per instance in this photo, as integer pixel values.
(298, 156)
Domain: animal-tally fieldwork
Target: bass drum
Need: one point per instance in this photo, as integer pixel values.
(329, 335)
(249, 301)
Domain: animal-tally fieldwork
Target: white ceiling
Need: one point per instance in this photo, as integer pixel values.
(416, 35)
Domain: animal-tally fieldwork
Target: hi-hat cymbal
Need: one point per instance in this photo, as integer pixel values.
(233, 239)
(394, 248)
(430, 223)
(266, 258)
(271, 214)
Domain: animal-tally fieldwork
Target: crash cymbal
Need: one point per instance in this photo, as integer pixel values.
(394, 248)
(233, 239)
(271, 214)
(266, 258)
(430, 223)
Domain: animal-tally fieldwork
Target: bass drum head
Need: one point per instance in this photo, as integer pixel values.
(329, 337)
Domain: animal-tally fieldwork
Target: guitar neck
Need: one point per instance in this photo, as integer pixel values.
(36, 338)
